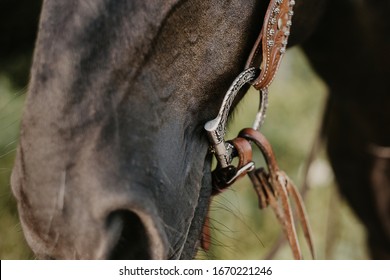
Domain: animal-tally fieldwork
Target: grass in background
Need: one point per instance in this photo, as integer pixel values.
(239, 229)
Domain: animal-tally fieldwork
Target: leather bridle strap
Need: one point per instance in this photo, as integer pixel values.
(271, 43)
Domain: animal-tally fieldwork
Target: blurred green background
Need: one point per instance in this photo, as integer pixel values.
(12, 244)
(239, 229)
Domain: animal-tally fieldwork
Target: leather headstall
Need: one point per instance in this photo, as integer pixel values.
(272, 185)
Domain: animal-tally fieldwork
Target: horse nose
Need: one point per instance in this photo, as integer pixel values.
(133, 235)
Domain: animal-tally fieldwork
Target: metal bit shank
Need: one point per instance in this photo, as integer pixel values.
(216, 128)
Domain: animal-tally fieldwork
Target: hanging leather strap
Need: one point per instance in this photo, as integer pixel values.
(273, 188)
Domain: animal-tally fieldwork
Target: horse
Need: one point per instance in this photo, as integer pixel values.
(113, 160)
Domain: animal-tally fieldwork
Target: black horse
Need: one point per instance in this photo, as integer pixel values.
(113, 159)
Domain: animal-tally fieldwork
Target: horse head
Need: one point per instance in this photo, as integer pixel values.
(113, 159)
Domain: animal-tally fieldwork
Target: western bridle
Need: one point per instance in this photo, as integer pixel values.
(273, 187)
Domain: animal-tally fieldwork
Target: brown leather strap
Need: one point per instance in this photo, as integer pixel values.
(263, 144)
(277, 198)
(273, 188)
(271, 44)
(244, 151)
(302, 215)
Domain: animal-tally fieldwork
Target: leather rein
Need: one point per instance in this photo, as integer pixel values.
(272, 185)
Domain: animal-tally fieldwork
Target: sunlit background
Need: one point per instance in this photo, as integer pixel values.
(239, 229)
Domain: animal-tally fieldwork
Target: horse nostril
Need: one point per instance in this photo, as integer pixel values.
(132, 240)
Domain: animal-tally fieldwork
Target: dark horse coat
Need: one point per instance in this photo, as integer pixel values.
(113, 159)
